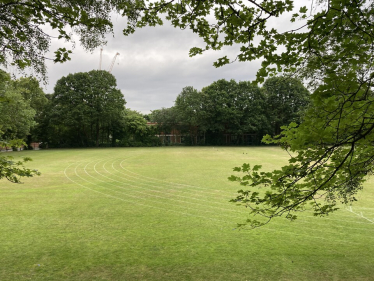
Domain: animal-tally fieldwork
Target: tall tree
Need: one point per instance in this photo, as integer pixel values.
(85, 107)
(134, 131)
(167, 120)
(285, 99)
(16, 119)
(188, 105)
(32, 93)
(219, 108)
(233, 108)
(251, 100)
(16, 113)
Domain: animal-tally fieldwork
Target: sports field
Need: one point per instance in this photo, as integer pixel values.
(163, 214)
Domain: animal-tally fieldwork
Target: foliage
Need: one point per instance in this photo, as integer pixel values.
(188, 103)
(135, 122)
(14, 170)
(330, 156)
(24, 40)
(234, 108)
(16, 120)
(34, 95)
(17, 115)
(286, 97)
(85, 109)
(135, 131)
(336, 174)
(188, 106)
(166, 119)
(230, 112)
(31, 91)
(331, 151)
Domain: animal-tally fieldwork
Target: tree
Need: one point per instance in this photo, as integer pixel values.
(286, 97)
(219, 108)
(188, 105)
(16, 119)
(31, 91)
(251, 100)
(331, 48)
(24, 41)
(34, 95)
(85, 107)
(17, 115)
(233, 108)
(224, 108)
(167, 120)
(135, 123)
(134, 130)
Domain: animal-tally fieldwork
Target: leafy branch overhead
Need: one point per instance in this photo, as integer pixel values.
(13, 170)
(331, 154)
(227, 23)
(24, 41)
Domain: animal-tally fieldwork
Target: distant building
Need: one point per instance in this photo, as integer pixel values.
(171, 136)
(193, 136)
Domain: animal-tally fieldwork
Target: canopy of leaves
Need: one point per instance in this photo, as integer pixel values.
(285, 97)
(85, 108)
(230, 112)
(16, 120)
(135, 123)
(332, 148)
(16, 112)
(134, 131)
(188, 104)
(234, 107)
(167, 119)
(14, 170)
(24, 42)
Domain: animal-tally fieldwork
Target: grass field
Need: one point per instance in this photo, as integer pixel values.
(163, 214)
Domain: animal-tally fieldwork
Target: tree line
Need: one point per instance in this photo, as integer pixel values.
(233, 113)
(87, 110)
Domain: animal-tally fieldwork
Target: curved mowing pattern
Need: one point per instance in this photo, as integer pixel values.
(115, 178)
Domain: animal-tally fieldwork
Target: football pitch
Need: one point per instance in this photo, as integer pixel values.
(164, 214)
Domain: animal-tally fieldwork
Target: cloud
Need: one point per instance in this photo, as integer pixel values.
(154, 64)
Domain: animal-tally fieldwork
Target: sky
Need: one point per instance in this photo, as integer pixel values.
(154, 64)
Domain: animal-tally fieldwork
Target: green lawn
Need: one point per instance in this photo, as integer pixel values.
(163, 214)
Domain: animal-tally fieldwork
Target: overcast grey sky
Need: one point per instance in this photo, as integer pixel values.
(154, 66)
